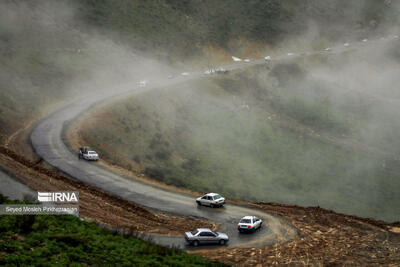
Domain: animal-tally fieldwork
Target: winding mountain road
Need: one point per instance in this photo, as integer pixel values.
(47, 140)
(48, 143)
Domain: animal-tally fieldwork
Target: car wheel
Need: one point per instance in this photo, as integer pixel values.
(195, 243)
(222, 242)
(198, 203)
(213, 206)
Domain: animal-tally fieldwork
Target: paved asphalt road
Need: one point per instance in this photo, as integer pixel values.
(15, 190)
(48, 143)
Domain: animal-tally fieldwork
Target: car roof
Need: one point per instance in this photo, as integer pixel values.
(248, 217)
(212, 194)
(204, 230)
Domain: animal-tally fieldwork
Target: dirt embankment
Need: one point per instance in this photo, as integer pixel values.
(94, 204)
(326, 238)
(74, 139)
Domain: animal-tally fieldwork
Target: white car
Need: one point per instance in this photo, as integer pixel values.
(249, 224)
(328, 49)
(346, 44)
(211, 199)
(185, 73)
(290, 54)
(267, 58)
(86, 153)
(365, 40)
(90, 155)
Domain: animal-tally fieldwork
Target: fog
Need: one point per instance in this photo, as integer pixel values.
(49, 54)
(341, 153)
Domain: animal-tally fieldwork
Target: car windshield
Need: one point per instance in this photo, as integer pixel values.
(92, 152)
(245, 221)
(194, 232)
(217, 197)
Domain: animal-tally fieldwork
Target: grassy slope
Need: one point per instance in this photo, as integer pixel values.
(39, 60)
(207, 139)
(39, 50)
(66, 240)
(184, 27)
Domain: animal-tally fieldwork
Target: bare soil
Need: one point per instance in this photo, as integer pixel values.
(75, 139)
(326, 238)
(95, 205)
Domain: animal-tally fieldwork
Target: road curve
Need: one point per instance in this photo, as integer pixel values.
(47, 141)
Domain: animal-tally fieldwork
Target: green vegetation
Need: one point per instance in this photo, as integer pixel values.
(183, 28)
(257, 137)
(275, 137)
(51, 240)
(63, 47)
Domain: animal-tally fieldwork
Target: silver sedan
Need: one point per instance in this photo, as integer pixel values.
(205, 236)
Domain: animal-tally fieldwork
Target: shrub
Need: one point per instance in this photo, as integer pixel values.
(155, 173)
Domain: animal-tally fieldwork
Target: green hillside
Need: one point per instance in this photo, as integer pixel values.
(181, 29)
(264, 134)
(51, 50)
(53, 240)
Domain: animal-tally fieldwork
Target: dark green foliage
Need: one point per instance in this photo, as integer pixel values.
(66, 240)
(182, 27)
(155, 173)
(25, 223)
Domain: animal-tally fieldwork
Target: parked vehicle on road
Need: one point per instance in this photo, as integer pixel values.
(205, 236)
(249, 224)
(87, 154)
(211, 199)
